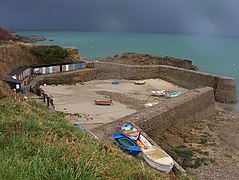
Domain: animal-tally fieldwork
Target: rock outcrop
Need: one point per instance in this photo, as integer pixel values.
(148, 59)
(7, 35)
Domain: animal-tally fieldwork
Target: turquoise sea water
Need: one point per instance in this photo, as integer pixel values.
(213, 54)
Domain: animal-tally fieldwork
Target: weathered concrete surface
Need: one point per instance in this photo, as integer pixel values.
(224, 87)
(191, 106)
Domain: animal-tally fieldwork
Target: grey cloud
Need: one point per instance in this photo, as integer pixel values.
(184, 16)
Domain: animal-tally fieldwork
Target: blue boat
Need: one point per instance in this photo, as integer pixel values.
(115, 82)
(126, 144)
(84, 130)
(174, 94)
(80, 127)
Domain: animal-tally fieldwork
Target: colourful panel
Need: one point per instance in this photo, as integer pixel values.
(43, 70)
(73, 67)
(50, 69)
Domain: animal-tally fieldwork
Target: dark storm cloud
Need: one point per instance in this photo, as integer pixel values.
(183, 16)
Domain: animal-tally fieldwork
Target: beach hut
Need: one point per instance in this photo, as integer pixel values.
(73, 67)
(14, 84)
(43, 70)
(56, 68)
(67, 67)
(21, 72)
(50, 69)
(80, 65)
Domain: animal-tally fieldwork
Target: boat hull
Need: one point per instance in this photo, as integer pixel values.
(158, 93)
(157, 166)
(126, 144)
(131, 131)
(103, 102)
(155, 156)
(174, 94)
(139, 82)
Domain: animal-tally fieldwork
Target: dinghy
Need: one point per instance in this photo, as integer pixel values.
(84, 130)
(155, 156)
(115, 82)
(174, 94)
(103, 102)
(131, 131)
(126, 144)
(158, 93)
(139, 82)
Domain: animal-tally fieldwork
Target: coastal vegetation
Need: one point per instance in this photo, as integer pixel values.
(49, 54)
(36, 143)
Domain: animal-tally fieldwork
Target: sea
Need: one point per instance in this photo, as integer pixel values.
(212, 54)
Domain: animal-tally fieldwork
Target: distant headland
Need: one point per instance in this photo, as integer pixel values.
(8, 35)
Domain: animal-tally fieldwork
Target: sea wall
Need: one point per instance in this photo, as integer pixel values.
(224, 87)
(191, 106)
(65, 77)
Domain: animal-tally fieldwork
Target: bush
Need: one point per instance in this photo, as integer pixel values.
(49, 54)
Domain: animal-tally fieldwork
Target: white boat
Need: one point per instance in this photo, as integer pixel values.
(148, 104)
(158, 93)
(155, 156)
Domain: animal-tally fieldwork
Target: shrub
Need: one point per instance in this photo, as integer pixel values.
(49, 54)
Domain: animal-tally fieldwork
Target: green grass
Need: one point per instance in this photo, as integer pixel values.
(36, 143)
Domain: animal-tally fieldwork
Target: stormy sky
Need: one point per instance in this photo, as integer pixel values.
(216, 17)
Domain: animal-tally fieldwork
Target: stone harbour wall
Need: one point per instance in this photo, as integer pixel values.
(70, 77)
(224, 87)
(188, 107)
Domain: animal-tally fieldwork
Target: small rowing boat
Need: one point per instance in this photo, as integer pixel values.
(84, 130)
(131, 131)
(158, 93)
(126, 144)
(155, 156)
(103, 102)
(174, 94)
(139, 82)
(115, 82)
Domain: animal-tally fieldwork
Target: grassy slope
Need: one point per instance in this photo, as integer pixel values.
(36, 143)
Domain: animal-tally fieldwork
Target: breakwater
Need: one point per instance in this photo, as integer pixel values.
(224, 87)
(189, 107)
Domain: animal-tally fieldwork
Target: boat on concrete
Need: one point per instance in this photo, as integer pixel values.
(127, 144)
(139, 82)
(105, 102)
(131, 131)
(158, 93)
(174, 94)
(115, 82)
(155, 156)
